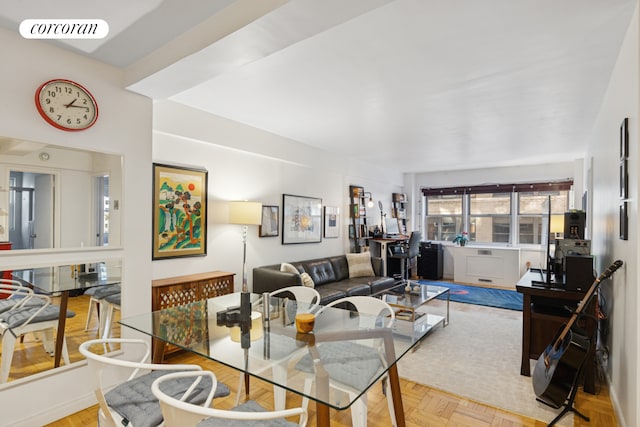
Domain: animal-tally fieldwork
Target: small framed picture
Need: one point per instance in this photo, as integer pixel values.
(270, 221)
(331, 222)
(624, 221)
(624, 179)
(624, 139)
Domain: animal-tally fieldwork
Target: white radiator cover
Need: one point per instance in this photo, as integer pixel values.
(486, 265)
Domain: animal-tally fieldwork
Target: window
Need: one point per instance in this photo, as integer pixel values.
(489, 217)
(497, 213)
(444, 218)
(533, 210)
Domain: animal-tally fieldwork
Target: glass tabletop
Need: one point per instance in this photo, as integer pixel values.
(415, 298)
(53, 279)
(347, 350)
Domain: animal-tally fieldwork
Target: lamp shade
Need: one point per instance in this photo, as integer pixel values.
(557, 224)
(245, 213)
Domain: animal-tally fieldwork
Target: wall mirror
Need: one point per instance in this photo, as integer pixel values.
(53, 197)
(84, 289)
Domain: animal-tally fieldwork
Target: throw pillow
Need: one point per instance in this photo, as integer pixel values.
(360, 265)
(289, 268)
(307, 280)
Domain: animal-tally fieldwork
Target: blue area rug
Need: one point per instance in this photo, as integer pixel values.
(500, 298)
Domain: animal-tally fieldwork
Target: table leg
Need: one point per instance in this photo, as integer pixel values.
(62, 322)
(158, 346)
(396, 393)
(322, 415)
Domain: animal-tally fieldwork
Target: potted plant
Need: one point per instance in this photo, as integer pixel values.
(461, 239)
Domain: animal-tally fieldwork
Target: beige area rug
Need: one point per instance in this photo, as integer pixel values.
(477, 356)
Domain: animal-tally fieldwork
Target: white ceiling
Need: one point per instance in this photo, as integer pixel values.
(421, 85)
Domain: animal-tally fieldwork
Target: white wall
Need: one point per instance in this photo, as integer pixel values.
(248, 164)
(124, 127)
(622, 296)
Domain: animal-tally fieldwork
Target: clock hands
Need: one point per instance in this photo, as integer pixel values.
(75, 106)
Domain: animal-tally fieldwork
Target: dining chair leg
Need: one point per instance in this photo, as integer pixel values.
(8, 346)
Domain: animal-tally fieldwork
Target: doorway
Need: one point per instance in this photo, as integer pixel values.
(31, 210)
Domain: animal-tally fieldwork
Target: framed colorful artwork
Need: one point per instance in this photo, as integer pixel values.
(331, 222)
(301, 219)
(270, 218)
(179, 211)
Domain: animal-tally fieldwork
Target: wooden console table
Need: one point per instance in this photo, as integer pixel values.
(181, 290)
(543, 316)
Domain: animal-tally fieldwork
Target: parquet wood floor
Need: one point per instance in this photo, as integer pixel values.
(424, 406)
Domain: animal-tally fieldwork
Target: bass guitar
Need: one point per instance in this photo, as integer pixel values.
(557, 369)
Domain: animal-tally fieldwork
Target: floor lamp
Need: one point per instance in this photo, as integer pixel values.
(246, 214)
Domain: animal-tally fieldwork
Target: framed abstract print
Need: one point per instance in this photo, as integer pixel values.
(301, 219)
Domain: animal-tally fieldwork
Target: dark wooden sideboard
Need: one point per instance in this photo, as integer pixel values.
(173, 291)
(543, 315)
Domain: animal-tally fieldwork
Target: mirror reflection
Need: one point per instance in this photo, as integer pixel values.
(47, 312)
(55, 197)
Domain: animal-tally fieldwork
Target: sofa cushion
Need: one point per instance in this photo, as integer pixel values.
(307, 280)
(340, 267)
(380, 284)
(351, 287)
(321, 271)
(328, 294)
(360, 265)
(288, 268)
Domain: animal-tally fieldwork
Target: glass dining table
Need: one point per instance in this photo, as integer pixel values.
(63, 280)
(345, 348)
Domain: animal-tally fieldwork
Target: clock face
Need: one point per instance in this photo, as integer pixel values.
(66, 105)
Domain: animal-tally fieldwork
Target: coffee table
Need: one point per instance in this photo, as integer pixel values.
(406, 304)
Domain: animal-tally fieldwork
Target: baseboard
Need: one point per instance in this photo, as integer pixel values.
(56, 412)
(615, 403)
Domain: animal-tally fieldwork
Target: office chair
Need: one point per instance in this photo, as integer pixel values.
(408, 251)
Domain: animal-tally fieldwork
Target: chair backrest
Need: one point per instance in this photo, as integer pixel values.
(14, 294)
(300, 293)
(178, 413)
(99, 363)
(414, 243)
(368, 305)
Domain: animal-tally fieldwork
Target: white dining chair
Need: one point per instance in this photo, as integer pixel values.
(302, 294)
(35, 315)
(131, 403)
(371, 362)
(97, 295)
(178, 413)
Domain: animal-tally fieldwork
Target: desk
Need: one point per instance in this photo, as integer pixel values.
(379, 247)
(542, 318)
(272, 357)
(64, 280)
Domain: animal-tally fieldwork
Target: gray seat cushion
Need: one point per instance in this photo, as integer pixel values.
(346, 362)
(249, 406)
(99, 292)
(114, 298)
(134, 401)
(17, 317)
(7, 304)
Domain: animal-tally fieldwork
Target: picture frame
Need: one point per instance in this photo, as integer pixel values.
(301, 219)
(331, 222)
(624, 139)
(624, 221)
(179, 211)
(270, 226)
(624, 179)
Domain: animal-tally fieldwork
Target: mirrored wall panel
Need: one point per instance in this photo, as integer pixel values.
(54, 197)
(47, 312)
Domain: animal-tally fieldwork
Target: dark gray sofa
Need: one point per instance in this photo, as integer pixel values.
(330, 276)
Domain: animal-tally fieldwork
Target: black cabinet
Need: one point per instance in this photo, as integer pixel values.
(430, 260)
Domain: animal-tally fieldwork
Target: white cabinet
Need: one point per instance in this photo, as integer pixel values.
(486, 265)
